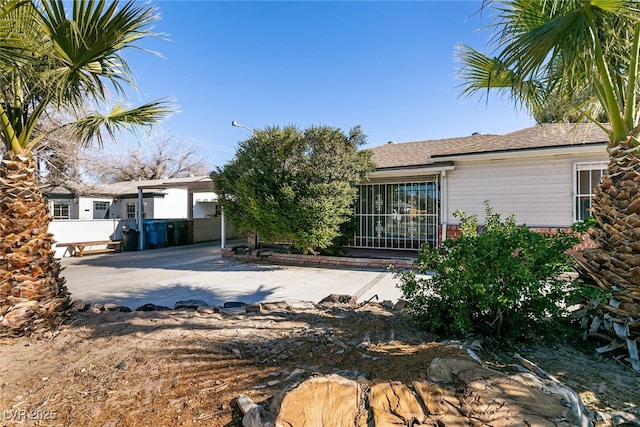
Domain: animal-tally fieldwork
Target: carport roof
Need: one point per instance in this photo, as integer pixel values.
(197, 184)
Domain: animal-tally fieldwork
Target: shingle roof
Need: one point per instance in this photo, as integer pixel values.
(548, 135)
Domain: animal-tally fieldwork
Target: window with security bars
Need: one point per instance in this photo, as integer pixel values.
(586, 177)
(397, 215)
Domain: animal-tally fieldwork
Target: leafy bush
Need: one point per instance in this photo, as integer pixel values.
(294, 184)
(503, 281)
(584, 226)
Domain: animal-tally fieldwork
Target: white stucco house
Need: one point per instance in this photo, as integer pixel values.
(170, 198)
(175, 207)
(544, 174)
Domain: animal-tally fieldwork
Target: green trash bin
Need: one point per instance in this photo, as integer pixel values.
(130, 238)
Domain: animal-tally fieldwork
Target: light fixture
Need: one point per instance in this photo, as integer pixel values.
(237, 125)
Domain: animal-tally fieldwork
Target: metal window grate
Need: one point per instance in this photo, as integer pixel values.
(396, 215)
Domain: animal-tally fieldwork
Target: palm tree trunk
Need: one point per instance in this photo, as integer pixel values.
(615, 265)
(32, 292)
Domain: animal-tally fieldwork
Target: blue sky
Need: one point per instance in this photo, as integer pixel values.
(386, 66)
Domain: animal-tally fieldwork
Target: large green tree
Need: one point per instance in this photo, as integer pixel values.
(586, 53)
(55, 59)
(294, 184)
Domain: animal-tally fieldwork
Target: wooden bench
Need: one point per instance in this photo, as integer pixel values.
(78, 248)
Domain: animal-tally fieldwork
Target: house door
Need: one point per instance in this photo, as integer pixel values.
(100, 210)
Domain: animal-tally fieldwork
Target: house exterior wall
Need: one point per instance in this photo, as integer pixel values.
(85, 207)
(205, 209)
(173, 205)
(205, 205)
(73, 205)
(538, 190)
(119, 207)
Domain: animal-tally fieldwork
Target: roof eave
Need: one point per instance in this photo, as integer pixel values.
(409, 171)
(592, 147)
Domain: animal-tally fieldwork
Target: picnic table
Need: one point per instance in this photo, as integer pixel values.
(79, 248)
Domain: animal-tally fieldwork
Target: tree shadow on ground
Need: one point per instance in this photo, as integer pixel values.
(168, 295)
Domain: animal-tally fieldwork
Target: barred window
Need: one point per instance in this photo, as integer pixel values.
(398, 215)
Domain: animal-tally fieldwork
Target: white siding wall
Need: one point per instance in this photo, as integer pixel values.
(204, 205)
(539, 191)
(173, 205)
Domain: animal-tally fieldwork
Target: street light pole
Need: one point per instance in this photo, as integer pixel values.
(253, 132)
(238, 125)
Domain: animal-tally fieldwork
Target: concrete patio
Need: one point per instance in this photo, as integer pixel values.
(166, 275)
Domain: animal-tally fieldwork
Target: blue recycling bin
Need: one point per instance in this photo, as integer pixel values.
(155, 234)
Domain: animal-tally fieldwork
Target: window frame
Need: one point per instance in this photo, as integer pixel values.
(578, 196)
(135, 210)
(58, 208)
(398, 214)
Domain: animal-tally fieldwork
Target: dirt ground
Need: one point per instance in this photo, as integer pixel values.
(186, 368)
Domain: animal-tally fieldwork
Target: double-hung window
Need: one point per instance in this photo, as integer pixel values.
(132, 210)
(60, 210)
(586, 177)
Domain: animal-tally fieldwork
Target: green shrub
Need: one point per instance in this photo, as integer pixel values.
(583, 226)
(503, 281)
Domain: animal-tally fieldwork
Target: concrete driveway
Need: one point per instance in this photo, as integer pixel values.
(164, 276)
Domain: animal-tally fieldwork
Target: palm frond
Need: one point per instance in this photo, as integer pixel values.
(13, 25)
(573, 55)
(480, 73)
(88, 45)
(54, 58)
(91, 127)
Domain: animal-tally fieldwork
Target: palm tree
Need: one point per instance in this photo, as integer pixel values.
(585, 53)
(52, 61)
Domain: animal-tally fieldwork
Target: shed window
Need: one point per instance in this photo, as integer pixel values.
(132, 210)
(60, 210)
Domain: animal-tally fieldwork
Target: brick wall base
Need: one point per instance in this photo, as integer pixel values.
(453, 232)
(319, 260)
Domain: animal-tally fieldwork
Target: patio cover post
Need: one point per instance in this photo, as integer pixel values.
(140, 220)
(222, 230)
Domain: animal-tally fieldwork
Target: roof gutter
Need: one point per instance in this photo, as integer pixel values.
(408, 171)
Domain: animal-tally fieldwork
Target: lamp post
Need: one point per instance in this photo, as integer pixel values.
(253, 132)
(238, 125)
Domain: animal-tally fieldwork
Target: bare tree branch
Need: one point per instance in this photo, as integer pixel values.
(158, 160)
